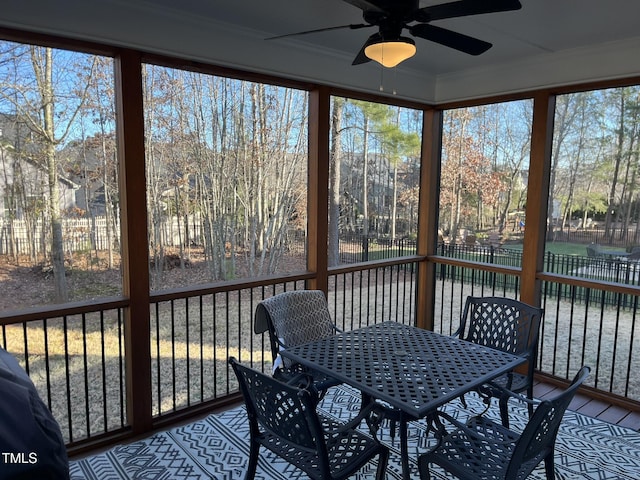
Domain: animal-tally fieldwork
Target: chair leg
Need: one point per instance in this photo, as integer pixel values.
(253, 460)
(530, 396)
(504, 410)
(549, 466)
(383, 458)
(423, 468)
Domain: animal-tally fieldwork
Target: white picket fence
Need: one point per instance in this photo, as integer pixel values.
(79, 234)
(86, 234)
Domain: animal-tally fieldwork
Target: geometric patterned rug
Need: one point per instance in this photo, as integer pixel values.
(216, 448)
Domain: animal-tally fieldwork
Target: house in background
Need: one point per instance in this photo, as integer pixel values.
(23, 180)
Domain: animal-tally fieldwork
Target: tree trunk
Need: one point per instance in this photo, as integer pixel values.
(365, 179)
(334, 184)
(608, 226)
(45, 72)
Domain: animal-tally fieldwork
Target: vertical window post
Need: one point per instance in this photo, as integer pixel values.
(135, 251)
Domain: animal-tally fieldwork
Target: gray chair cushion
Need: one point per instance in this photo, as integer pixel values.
(297, 317)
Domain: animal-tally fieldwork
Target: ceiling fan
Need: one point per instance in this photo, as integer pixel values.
(388, 47)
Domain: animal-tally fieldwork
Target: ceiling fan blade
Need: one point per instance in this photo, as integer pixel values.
(464, 8)
(361, 57)
(339, 27)
(451, 39)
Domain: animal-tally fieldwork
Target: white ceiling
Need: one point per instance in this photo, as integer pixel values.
(546, 43)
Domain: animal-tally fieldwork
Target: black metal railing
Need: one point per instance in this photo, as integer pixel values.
(583, 325)
(604, 269)
(76, 362)
(595, 327)
(373, 293)
(193, 336)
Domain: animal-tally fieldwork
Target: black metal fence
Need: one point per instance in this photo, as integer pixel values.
(608, 269)
(359, 248)
(615, 236)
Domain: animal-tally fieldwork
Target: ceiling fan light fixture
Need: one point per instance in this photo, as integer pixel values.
(390, 53)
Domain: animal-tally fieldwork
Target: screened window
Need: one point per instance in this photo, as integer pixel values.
(226, 175)
(594, 199)
(484, 175)
(374, 181)
(60, 238)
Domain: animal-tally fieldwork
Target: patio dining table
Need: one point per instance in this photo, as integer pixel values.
(413, 370)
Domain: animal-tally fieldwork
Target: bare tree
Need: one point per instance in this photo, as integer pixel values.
(48, 109)
(619, 99)
(97, 162)
(629, 191)
(225, 160)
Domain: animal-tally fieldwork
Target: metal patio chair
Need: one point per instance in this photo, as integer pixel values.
(508, 325)
(293, 318)
(283, 418)
(485, 450)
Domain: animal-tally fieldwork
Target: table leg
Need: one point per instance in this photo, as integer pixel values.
(399, 418)
(404, 448)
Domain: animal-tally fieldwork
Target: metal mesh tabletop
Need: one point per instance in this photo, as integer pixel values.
(412, 369)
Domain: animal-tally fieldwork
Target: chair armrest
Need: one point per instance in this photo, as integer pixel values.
(366, 413)
(451, 420)
(477, 428)
(304, 381)
(299, 379)
(509, 393)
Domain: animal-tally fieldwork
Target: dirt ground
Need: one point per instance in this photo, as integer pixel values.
(22, 286)
(24, 283)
